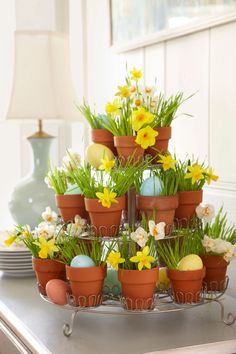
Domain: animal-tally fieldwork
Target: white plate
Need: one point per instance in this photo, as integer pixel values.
(3, 248)
(15, 266)
(27, 258)
(19, 270)
(19, 275)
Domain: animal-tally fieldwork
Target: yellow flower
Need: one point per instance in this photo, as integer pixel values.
(137, 102)
(143, 259)
(133, 89)
(10, 240)
(141, 117)
(146, 137)
(106, 198)
(123, 92)
(195, 173)
(136, 74)
(167, 162)
(113, 107)
(114, 259)
(47, 248)
(107, 164)
(211, 176)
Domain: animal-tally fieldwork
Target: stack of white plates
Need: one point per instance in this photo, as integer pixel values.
(16, 262)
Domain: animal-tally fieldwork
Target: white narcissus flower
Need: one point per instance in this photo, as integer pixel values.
(208, 243)
(147, 91)
(49, 216)
(205, 213)
(45, 230)
(157, 230)
(140, 236)
(229, 252)
(76, 228)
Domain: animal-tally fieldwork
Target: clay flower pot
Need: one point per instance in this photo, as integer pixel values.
(47, 269)
(186, 285)
(158, 208)
(86, 284)
(138, 287)
(104, 137)
(162, 142)
(216, 268)
(128, 148)
(188, 201)
(106, 221)
(70, 206)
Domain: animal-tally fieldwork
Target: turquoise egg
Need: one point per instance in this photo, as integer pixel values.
(82, 261)
(111, 283)
(151, 187)
(74, 189)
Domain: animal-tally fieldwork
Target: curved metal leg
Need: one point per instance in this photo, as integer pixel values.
(229, 318)
(68, 327)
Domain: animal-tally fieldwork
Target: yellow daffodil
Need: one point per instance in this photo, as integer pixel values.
(106, 198)
(10, 240)
(107, 164)
(113, 107)
(143, 259)
(146, 137)
(114, 259)
(137, 102)
(135, 74)
(211, 176)
(195, 173)
(167, 162)
(133, 89)
(47, 248)
(123, 92)
(141, 117)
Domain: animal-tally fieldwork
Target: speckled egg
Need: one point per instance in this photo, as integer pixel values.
(96, 152)
(74, 189)
(82, 261)
(151, 187)
(56, 290)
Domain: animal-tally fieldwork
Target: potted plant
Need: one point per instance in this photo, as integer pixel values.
(100, 135)
(135, 260)
(69, 199)
(157, 195)
(185, 268)
(217, 245)
(192, 176)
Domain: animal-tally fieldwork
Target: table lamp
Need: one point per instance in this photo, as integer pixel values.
(42, 90)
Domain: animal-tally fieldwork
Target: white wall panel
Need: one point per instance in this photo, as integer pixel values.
(154, 65)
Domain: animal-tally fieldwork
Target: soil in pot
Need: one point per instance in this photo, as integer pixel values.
(162, 142)
(105, 221)
(138, 287)
(70, 206)
(186, 285)
(128, 149)
(47, 269)
(86, 284)
(104, 137)
(216, 268)
(188, 201)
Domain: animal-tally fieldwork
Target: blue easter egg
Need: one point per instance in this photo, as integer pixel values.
(82, 261)
(151, 187)
(74, 189)
(103, 118)
(111, 283)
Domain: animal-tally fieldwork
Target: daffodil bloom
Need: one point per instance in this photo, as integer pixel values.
(113, 107)
(205, 213)
(135, 74)
(45, 230)
(49, 216)
(107, 164)
(146, 137)
(106, 198)
(143, 259)
(195, 173)
(8, 242)
(114, 259)
(211, 176)
(157, 230)
(140, 236)
(153, 103)
(76, 228)
(123, 92)
(47, 248)
(133, 89)
(137, 102)
(167, 162)
(141, 117)
(148, 91)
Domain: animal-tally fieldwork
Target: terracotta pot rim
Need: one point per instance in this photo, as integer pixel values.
(186, 275)
(87, 274)
(164, 133)
(126, 142)
(214, 261)
(146, 276)
(161, 203)
(47, 265)
(190, 192)
(69, 201)
(93, 205)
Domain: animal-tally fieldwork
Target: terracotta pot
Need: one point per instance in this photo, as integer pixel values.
(186, 285)
(138, 287)
(47, 269)
(127, 149)
(104, 137)
(162, 141)
(86, 284)
(70, 206)
(188, 201)
(106, 221)
(216, 268)
(160, 208)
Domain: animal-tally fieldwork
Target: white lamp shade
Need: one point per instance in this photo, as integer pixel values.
(42, 85)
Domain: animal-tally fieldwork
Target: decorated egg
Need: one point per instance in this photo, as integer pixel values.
(190, 262)
(151, 187)
(74, 189)
(82, 261)
(163, 282)
(96, 152)
(111, 283)
(56, 290)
